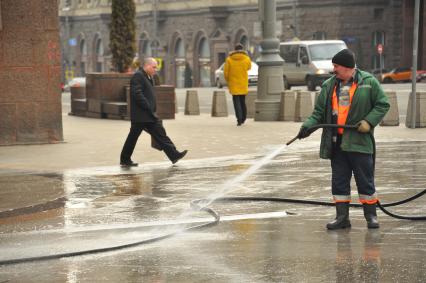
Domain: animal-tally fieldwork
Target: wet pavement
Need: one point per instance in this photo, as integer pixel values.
(98, 207)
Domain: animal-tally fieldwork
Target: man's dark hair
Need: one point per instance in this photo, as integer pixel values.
(239, 46)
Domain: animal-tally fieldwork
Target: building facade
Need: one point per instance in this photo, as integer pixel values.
(191, 39)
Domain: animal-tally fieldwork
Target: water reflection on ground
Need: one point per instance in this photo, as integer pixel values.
(258, 242)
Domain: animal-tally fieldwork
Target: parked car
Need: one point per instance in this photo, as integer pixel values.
(378, 73)
(252, 75)
(402, 74)
(308, 62)
(77, 81)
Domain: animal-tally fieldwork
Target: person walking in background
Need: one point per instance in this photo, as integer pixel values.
(350, 97)
(143, 117)
(236, 75)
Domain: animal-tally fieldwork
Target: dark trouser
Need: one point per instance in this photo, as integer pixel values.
(361, 164)
(157, 132)
(240, 107)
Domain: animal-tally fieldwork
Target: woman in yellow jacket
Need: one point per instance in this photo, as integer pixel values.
(235, 72)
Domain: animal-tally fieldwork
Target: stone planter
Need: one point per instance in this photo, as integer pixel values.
(103, 89)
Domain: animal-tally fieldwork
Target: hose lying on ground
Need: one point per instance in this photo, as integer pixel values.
(196, 205)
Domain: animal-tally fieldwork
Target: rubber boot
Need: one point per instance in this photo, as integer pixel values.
(342, 217)
(370, 215)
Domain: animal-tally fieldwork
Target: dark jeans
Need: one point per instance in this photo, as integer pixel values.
(157, 132)
(343, 163)
(240, 107)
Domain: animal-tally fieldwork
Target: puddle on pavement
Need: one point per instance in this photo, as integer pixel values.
(85, 199)
(109, 207)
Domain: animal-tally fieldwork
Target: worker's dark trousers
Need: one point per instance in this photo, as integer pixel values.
(343, 163)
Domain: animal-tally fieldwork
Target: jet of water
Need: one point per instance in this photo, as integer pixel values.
(231, 184)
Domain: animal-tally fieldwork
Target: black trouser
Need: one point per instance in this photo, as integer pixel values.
(343, 163)
(240, 107)
(157, 132)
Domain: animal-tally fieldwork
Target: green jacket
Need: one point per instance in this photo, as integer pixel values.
(368, 103)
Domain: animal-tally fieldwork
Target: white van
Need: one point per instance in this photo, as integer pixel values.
(308, 62)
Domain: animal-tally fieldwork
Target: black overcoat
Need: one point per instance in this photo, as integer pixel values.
(142, 99)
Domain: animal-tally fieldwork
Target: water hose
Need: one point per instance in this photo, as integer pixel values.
(318, 126)
(197, 204)
(118, 247)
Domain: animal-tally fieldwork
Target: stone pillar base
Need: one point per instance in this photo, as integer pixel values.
(192, 106)
(287, 105)
(219, 106)
(392, 117)
(303, 106)
(420, 111)
(250, 99)
(267, 110)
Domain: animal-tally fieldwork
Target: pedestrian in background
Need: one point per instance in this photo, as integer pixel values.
(143, 117)
(236, 75)
(350, 97)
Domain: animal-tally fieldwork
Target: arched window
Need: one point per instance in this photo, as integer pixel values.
(204, 62)
(146, 49)
(99, 55)
(83, 57)
(180, 63)
(244, 41)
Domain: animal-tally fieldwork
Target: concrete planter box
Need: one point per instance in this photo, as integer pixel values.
(166, 107)
(105, 87)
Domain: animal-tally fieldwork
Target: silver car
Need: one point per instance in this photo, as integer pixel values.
(252, 75)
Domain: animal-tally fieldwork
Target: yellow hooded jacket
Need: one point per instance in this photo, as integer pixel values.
(235, 72)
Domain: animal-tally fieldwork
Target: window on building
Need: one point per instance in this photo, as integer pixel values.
(180, 63)
(204, 62)
(319, 35)
(244, 42)
(377, 61)
(146, 49)
(67, 3)
(180, 49)
(83, 57)
(154, 48)
(378, 37)
(99, 55)
(378, 13)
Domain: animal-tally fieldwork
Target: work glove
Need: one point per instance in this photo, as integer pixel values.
(303, 133)
(364, 127)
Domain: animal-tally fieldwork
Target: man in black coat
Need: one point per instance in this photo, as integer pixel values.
(143, 117)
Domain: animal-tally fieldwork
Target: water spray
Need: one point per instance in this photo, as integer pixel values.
(202, 204)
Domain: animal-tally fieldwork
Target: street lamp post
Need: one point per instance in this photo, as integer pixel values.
(270, 84)
(155, 27)
(411, 121)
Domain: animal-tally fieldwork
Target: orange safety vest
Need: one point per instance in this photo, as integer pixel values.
(342, 110)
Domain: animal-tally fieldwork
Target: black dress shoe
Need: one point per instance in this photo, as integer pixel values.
(180, 156)
(128, 164)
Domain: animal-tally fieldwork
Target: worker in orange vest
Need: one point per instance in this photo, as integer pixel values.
(350, 97)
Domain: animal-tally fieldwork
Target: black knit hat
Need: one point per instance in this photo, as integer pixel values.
(345, 58)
